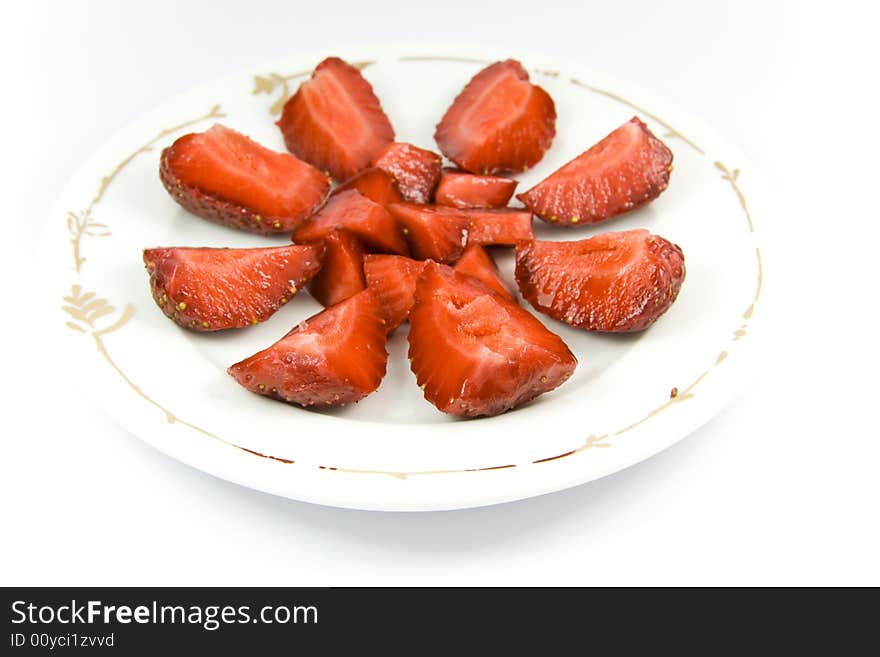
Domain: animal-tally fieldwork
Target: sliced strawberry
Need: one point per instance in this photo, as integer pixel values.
(459, 189)
(475, 353)
(223, 176)
(499, 122)
(373, 183)
(476, 263)
(331, 359)
(393, 281)
(503, 227)
(433, 231)
(415, 170)
(207, 289)
(342, 275)
(627, 169)
(334, 120)
(353, 211)
(613, 282)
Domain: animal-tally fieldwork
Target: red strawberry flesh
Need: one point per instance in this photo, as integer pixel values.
(224, 176)
(478, 264)
(373, 183)
(207, 289)
(331, 359)
(434, 232)
(353, 211)
(393, 281)
(627, 169)
(334, 120)
(459, 189)
(613, 282)
(476, 354)
(501, 227)
(499, 122)
(414, 170)
(342, 275)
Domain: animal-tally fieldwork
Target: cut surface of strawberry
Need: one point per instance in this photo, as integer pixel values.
(373, 183)
(459, 189)
(331, 359)
(414, 170)
(223, 176)
(434, 232)
(501, 227)
(342, 275)
(499, 122)
(476, 354)
(353, 211)
(627, 169)
(206, 289)
(393, 282)
(614, 282)
(334, 120)
(478, 264)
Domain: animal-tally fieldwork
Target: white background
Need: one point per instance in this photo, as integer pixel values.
(781, 488)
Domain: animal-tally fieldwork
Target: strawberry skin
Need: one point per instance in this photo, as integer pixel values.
(499, 122)
(613, 282)
(415, 170)
(459, 189)
(334, 120)
(393, 282)
(225, 177)
(478, 264)
(433, 232)
(206, 289)
(501, 227)
(353, 211)
(373, 183)
(627, 169)
(476, 354)
(342, 275)
(331, 359)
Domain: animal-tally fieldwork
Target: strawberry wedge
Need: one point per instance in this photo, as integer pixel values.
(225, 177)
(613, 282)
(627, 169)
(477, 354)
(334, 358)
(205, 289)
(499, 122)
(334, 120)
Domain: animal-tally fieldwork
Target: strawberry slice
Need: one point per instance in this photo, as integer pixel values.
(627, 169)
(613, 282)
(342, 275)
(373, 183)
(476, 263)
(334, 120)
(503, 227)
(393, 281)
(499, 122)
(415, 170)
(206, 289)
(331, 359)
(475, 353)
(353, 211)
(459, 189)
(225, 177)
(433, 231)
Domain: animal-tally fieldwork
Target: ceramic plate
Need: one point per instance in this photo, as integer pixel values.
(630, 397)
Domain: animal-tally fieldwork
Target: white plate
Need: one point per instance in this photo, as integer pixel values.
(393, 450)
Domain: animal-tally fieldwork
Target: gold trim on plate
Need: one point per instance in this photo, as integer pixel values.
(82, 224)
